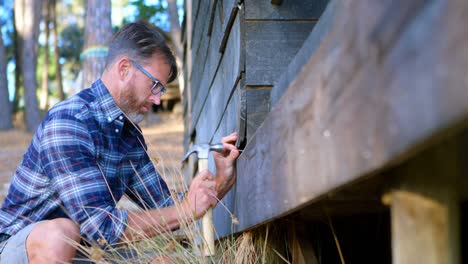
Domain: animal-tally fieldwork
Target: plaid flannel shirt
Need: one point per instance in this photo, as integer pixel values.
(83, 158)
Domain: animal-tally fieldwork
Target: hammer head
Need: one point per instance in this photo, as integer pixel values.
(202, 150)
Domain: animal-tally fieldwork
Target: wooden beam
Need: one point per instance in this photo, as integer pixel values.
(425, 206)
(357, 108)
(421, 229)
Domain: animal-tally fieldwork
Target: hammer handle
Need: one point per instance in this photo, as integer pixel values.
(207, 221)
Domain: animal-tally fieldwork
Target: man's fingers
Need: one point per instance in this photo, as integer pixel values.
(229, 138)
(208, 198)
(205, 175)
(208, 184)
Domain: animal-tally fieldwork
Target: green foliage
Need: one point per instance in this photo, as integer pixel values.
(51, 65)
(152, 13)
(146, 12)
(71, 44)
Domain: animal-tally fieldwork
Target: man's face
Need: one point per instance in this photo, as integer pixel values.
(137, 98)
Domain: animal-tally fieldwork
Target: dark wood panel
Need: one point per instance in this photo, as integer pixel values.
(223, 219)
(196, 75)
(197, 7)
(195, 20)
(211, 101)
(257, 107)
(200, 30)
(200, 50)
(228, 7)
(270, 46)
(357, 107)
(310, 45)
(230, 11)
(291, 9)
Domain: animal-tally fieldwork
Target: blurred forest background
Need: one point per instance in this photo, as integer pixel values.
(51, 49)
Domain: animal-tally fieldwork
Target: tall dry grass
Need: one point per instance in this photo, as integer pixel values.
(267, 244)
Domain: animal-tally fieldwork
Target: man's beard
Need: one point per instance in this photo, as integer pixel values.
(131, 107)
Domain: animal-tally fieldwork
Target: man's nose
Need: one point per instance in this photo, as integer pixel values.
(156, 99)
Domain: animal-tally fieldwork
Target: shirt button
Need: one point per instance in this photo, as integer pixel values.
(109, 119)
(120, 117)
(116, 130)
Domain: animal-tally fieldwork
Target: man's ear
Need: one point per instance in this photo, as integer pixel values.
(123, 68)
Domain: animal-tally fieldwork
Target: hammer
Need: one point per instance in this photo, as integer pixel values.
(202, 151)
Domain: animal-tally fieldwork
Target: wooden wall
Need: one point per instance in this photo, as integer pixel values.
(341, 108)
(232, 62)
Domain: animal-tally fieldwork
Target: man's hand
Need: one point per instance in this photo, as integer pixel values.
(224, 161)
(201, 195)
(205, 190)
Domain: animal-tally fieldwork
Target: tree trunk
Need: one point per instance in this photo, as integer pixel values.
(98, 31)
(45, 66)
(177, 45)
(17, 14)
(58, 66)
(29, 33)
(5, 105)
(175, 27)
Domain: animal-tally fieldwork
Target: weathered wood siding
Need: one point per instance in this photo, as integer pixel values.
(235, 60)
(326, 104)
(371, 96)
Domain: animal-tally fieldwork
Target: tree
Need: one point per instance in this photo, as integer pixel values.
(175, 27)
(17, 53)
(45, 64)
(98, 31)
(175, 35)
(58, 66)
(5, 105)
(27, 24)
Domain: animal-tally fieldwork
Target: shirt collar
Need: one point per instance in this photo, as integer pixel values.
(110, 110)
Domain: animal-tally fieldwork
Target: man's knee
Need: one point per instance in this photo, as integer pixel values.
(56, 238)
(56, 229)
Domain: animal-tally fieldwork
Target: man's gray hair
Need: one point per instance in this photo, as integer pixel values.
(140, 41)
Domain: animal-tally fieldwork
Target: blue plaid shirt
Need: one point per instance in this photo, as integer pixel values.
(83, 158)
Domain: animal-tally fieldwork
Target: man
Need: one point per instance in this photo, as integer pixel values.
(88, 152)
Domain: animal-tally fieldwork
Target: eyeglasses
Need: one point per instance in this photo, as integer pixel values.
(157, 87)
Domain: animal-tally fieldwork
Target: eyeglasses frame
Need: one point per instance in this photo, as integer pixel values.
(161, 90)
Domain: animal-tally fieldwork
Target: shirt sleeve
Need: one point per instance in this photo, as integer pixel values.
(69, 160)
(148, 189)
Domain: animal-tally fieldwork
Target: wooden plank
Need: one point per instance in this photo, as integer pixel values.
(425, 206)
(195, 77)
(287, 10)
(264, 64)
(310, 45)
(220, 83)
(228, 8)
(257, 107)
(195, 5)
(199, 53)
(421, 224)
(223, 217)
(352, 111)
(199, 79)
(212, 17)
(226, 80)
(200, 30)
(228, 22)
(214, 56)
